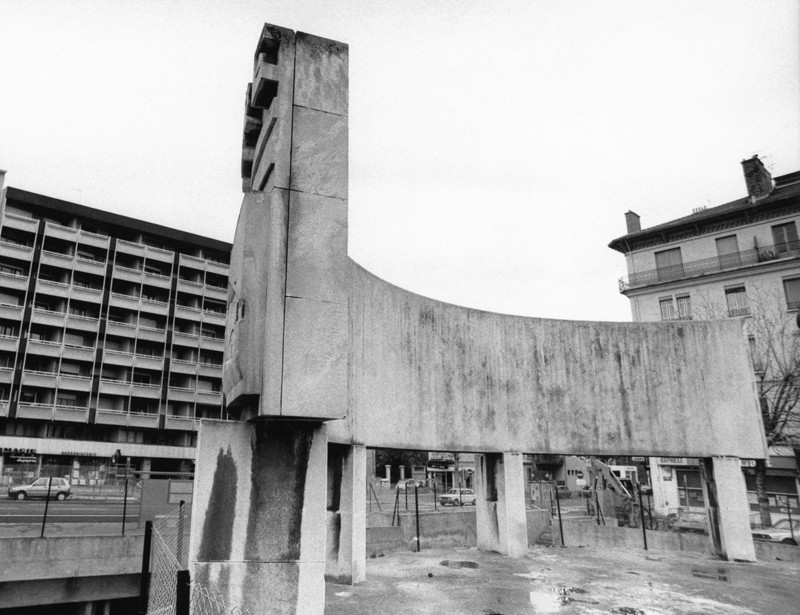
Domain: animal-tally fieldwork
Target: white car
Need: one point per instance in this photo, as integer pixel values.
(780, 532)
(457, 497)
(57, 487)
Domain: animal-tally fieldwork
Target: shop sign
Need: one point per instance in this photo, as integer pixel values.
(637, 459)
(21, 459)
(748, 463)
(18, 451)
(677, 461)
(78, 454)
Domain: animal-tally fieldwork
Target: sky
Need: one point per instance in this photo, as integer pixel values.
(494, 146)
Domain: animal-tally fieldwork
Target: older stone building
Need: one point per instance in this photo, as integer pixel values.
(739, 259)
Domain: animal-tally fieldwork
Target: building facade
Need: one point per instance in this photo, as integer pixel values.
(111, 340)
(740, 259)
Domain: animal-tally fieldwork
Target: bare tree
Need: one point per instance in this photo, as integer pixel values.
(775, 350)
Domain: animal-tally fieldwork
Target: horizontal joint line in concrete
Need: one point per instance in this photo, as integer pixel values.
(320, 110)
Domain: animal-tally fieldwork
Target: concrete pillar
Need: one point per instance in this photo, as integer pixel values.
(388, 473)
(147, 464)
(86, 608)
(500, 503)
(728, 509)
(402, 472)
(258, 522)
(346, 549)
(106, 607)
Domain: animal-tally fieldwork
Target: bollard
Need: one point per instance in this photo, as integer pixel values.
(641, 511)
(124, 506)
(560, 525)
(416, 506)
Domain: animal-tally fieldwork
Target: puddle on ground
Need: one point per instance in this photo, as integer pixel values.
(456, 563)
(720, 574)
(552, 599)
(626, 610)
(343, 594)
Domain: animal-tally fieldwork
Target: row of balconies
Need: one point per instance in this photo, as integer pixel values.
(706, 266)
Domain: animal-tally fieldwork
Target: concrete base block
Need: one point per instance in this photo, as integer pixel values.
(500, 504)
(727, 497)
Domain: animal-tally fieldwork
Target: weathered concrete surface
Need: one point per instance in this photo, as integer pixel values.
(258, 516)
(347, 513)
(568, 581)
(500, 503)
(428, 375)
(37, 592)
(727, 502)
(286, 352)
(586, 533)
(25, 558)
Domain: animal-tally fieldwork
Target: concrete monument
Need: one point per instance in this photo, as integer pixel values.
(324, 359)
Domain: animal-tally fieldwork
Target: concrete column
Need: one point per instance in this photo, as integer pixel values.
(500, 503)
(346, 558)
(258, 522)
(728, 509)
(388, 473)
(106, 610)
(86, 608)
(402, 472)
(147, 464)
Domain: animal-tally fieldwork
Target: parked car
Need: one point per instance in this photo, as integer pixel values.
(59, 489)
(780, 532)
(695, 522)
(408, 484)
(457, 497)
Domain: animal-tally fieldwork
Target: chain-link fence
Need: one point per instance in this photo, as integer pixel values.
(170, 590)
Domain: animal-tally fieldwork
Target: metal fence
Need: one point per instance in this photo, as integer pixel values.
(52, 505)
(167, 588)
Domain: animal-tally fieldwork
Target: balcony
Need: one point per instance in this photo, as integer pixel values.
(82, 323)
(9, 343)
(184, 394)
(42, 412)
(107, 416)
(706, 266)
(66, 233)
(3, 408)
(180, 423)
(178, 366)
(57, 259)
(118, 357)
(45, 380)
(72, 414)
(115, 387)
(147, 391)
(93, 239)
(143, 419)
(212, 370)
(41, 316)
(188, 286)
(22, 223)
(148, 362)
(6, 375)
(41, 347)
(52, 288)
(185, 339)
(157, 279)
(88, 265)
(128, 274)
(83, 293)
(154, 306)
(75, 383)
(738, 311)
(15, 250)
(212, 343)
(123, 329)
(189, 313)
(129, 247)
(216, 292)
(212, 398)
(160, 254)
(13, 280)
(214, 318)
(11, 312)
(151, 334)
(78, 353)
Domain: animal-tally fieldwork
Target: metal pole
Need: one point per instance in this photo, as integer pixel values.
(560, 525)
(641, 510)
(396, 510)
(124, 505)
(789, 511)
(434, 495)
(416, 507)
(182, 595)
(46, 504)
(685, 491)
(144, 579)
(406, 490)
(181, 527)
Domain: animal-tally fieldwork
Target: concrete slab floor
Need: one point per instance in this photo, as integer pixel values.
(567, 581)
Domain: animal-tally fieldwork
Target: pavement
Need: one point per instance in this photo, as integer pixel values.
(568, 581)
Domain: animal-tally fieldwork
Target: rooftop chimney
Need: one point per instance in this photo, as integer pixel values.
(757, 178)
(632, 222)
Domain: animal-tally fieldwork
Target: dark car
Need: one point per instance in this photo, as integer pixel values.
(59, 489)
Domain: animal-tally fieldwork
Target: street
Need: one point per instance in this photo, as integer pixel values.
(68, 511)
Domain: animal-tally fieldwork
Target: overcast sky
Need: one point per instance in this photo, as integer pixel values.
(494, 146)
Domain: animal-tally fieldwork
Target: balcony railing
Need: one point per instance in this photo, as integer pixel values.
(738, 311)
(706, 266)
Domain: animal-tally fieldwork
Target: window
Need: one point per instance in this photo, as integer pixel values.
(736, 299)
(8, 331)
(785, 237)
(667, 309)
(669, 265)
(728, 252)
(10, 270)
(792, 289)
(65, 399)
(684, 307)
(141, 378)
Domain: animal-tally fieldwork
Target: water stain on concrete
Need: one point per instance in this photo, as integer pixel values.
(217, 538)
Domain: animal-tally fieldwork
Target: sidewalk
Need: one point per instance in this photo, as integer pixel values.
(568, 581)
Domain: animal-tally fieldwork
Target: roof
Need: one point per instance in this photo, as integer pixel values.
(786, 187)
(105, 218)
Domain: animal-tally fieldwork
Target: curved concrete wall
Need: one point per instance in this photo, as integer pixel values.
(433, 376)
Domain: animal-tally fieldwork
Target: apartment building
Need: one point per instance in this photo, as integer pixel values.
(111, 340)
(721, 262)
